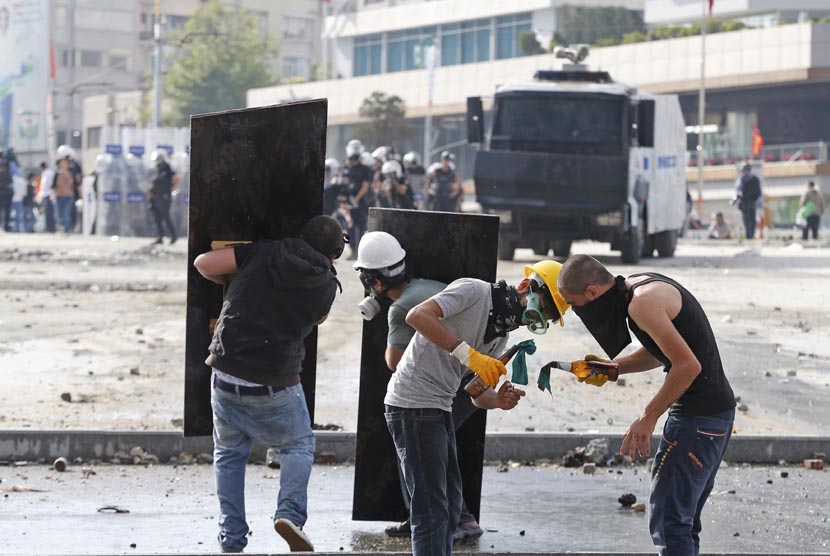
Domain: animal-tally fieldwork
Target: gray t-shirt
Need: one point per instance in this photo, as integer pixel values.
(414, 293)
(428, 376)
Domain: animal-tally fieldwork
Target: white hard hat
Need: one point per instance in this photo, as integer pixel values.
(367, 159)
(64, 151)
(332, 164)
(448, 155)
(434, 166)
(392, 167)
(411, 157)
(378, 250)
(102, 161)
(158, 154)
(380, 152)
(354, 148)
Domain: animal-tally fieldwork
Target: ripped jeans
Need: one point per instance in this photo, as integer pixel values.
(685, 467)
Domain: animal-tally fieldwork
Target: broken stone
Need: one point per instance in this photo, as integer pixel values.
(137, 451)
(743, 407)
(502, 468)
(597, 451)
(326, 457)
(791, 372)
(589, 468)
(784, 474)
(139, 331)
(627, 500)
(638, 507)
(66, 396)
(134, 371)
(767, 374)
(815, 464)
(186, 458)
(204, 458)
(620, 381)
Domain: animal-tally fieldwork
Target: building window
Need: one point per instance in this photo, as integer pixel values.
(93, 137)
(119, 62)
(406, 50)
(297, 27)
(465, 43)
(508, 29)
(61, 16)
(261, 23)
(90, 58)
(295, 66)
(367, 55)
(67, 58)
(175, 21)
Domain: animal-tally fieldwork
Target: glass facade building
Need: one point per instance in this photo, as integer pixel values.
(464, 42)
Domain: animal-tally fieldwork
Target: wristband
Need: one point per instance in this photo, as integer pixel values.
(462, 353)
(455, 344)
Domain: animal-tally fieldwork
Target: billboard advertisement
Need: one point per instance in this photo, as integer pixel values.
(24, 73)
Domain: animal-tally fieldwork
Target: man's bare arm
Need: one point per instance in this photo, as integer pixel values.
(637, 361)
(215, 265)
(393, 356)
(425, 318)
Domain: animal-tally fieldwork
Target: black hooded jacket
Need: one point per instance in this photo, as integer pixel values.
(282, 288)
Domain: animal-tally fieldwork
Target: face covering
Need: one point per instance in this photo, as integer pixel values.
(606, 318)
(506, 314)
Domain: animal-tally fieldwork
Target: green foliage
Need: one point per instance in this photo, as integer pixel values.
(529, 44)
(663, 33)
(590, 25)
(220, 57)
(386, 120)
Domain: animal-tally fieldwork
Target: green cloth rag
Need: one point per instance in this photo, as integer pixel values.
(528, 347)
(544, 380)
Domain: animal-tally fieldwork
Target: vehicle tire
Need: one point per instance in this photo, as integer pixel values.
(665, 242)
(632, 246)
(507, 249)
(562, 247)
(541, 250)
(648, 246)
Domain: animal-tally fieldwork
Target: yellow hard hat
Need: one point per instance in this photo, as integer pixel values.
(548, 272)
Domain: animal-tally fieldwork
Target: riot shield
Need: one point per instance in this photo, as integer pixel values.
(254, 174)
(440, 246)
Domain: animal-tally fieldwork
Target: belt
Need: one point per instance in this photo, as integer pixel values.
(246, 390)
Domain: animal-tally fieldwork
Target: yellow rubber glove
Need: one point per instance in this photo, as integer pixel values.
(594, 378)
(486, 367)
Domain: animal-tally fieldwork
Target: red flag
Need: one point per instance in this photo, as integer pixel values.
(710, 7)
(757, 141)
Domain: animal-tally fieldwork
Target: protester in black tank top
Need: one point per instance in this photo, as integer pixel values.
(675, 334)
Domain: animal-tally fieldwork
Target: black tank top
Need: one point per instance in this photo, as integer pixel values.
(710, 392)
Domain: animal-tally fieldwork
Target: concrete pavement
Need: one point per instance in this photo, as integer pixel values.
(540, 509)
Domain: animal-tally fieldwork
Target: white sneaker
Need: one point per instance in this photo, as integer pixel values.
(293, 535)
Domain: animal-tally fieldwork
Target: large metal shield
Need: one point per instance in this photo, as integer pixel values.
(440, 246)
(254, 174)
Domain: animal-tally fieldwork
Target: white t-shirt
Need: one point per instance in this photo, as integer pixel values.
(428, 376)
(47, 176)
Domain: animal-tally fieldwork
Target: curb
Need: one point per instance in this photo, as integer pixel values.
(33, 445)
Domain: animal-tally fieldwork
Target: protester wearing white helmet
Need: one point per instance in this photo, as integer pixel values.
(395, 191)
(444, 193)
(415, 175)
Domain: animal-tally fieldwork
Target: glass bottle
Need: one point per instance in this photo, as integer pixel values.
(476, 387)
(583, 368)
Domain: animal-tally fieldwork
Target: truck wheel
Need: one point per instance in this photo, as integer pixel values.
(665, 242)
(648, 246)
(632, 246)
(562, 247)
(507, 249)
(541, 250)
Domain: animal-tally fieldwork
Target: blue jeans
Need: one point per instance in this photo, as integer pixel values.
(425, 442)
(65, 205)
(279, 420)
(685, 467)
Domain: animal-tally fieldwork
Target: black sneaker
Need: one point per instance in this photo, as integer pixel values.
(399, 530)
(467, 532)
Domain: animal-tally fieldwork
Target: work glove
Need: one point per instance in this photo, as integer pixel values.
(594, 378)
(486, 367)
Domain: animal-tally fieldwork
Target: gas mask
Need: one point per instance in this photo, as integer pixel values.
(369, 307)
(533, 315)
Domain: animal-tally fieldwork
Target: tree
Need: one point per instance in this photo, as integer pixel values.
(386, 124)
(221, 56)
(529, 44)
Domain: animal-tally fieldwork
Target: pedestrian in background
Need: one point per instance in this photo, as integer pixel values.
(812, 207)
(719, 228)
(44, 195)
(164, 181)
(29, 203)
(6, 191)
(748, 189)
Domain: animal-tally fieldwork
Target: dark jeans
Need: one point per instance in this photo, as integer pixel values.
(49, 213)
(812, 225)
(685, 467)
(360, 217)
(161, 213)
(6, 195)
(749, 220)
(425, 442)
(462, 409)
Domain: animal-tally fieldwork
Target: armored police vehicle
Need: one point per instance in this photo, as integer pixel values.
(576, 155)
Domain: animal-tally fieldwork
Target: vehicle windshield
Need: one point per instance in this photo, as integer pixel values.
(559, 123)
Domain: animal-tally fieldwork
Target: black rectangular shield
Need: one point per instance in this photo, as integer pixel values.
(254, 174)
(439, 246)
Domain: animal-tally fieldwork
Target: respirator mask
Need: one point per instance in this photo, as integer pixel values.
(534, 315)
